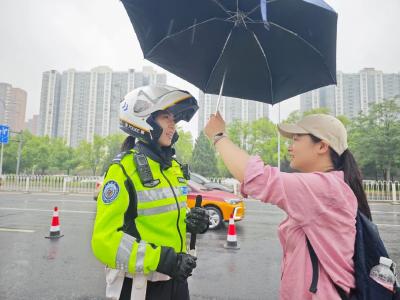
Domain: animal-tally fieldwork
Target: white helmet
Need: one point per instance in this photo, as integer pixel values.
(137, 110)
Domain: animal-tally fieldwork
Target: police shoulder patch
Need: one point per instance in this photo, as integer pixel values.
(110, 192)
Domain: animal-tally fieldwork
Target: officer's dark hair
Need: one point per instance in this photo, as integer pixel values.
(128, 143)
(352, 175)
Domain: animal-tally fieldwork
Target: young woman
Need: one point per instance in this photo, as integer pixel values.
(320, 201)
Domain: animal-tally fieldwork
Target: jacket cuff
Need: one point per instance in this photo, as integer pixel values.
(168, 261)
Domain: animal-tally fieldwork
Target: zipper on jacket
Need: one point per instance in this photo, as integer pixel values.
(177, 205)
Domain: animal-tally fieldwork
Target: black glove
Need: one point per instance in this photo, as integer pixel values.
(176, 265)
(197, 220)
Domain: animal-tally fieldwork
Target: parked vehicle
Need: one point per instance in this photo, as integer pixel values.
(219, 204)
(209, 184)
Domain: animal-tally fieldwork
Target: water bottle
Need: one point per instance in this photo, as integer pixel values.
(383, 275)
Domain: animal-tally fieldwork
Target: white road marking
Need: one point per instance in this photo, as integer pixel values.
(388, 225)
(264, 211)
(51, 200)
(16, 230)
(46, 193)
(48, 210)
(62, 200)
(386, 212)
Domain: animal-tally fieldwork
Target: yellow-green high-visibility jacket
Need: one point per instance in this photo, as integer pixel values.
(161, 211)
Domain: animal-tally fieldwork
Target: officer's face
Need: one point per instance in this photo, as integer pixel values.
(167, 123)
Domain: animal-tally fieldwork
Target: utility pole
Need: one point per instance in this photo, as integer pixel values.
(1, 159)
(19, 151)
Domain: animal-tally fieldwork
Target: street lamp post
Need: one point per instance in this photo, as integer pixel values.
(1, 159)
(19, 151)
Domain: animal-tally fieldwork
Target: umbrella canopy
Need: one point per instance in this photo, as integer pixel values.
(268, 51)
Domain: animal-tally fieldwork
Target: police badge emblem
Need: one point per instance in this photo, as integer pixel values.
(110, 192)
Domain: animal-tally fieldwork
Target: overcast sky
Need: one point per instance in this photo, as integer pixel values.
(39, 35)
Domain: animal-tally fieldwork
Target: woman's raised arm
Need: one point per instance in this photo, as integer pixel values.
(234, 158)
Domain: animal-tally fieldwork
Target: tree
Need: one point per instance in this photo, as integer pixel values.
(184, 146)
(264, 141)
(259, 137)
(92, 154)
(36, 154)
(345, 120)
(239, 133)
(112, 146)
(204, 160)
(71, 160)
(10, 156)
(62, 157)
(375, 138)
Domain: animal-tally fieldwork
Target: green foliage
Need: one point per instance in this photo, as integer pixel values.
(112, 145)
(36, 154)
(204, 160)
(296, 115)
(92, 155)
(375, 139)
(184, 146)
(42, 155)
(257, 138)
(10, 156)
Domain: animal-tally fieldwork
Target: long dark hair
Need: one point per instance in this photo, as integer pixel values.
(128, 144)
(352, 176)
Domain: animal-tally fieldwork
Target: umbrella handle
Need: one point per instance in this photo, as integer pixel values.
(220, 92)
(192, 247)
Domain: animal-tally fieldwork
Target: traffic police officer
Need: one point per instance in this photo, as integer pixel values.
(141, 221)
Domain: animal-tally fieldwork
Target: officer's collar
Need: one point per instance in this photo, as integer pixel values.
(162, 155)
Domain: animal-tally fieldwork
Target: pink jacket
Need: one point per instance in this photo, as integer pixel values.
(319, 205)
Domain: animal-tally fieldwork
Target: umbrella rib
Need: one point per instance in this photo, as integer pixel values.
(268, 67)
(219, 58)
(148, 54)
(307, 43)
(229, 12)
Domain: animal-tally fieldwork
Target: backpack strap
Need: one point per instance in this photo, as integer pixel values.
(315, 274)
(315, 269)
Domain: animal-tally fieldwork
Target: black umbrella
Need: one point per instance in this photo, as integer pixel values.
(268, 51)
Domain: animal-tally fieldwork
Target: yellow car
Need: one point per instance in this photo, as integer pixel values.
(219, 204)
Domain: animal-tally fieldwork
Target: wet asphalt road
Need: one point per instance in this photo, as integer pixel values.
(32, 267)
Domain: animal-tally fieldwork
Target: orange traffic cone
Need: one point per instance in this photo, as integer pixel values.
(231, 240)
(55, 231)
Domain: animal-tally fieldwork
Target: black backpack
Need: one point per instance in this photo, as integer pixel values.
(368, 249)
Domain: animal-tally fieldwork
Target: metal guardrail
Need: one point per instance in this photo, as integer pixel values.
(49, 183)
(382, 191)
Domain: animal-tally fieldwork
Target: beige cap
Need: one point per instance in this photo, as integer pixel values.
(324, 127)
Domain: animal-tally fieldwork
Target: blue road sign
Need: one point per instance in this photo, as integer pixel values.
(4, 134)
